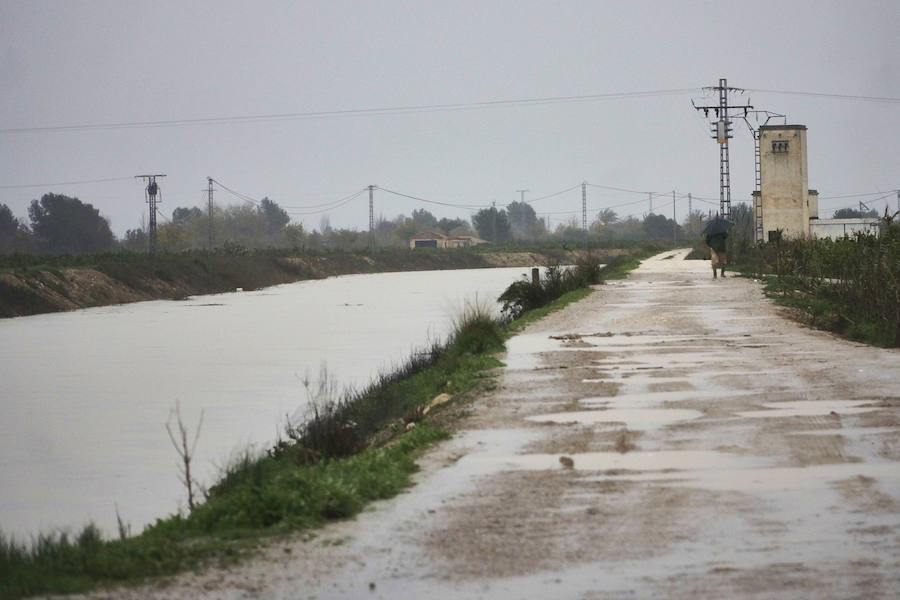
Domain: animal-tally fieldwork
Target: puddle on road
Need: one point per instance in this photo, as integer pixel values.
(669, 462)
(707, 469)
(522, 351)
(809, 408)
(633, 418)
(648, 399)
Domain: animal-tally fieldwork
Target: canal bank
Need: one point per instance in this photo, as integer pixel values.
(28, 287)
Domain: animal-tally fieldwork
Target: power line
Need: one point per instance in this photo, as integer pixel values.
(882, 99)
(390, 110)
(337, 204)
(300, 206)
(79, 182)
(466, 206)
(239, 195)
(619, 189)
(569, 189)
(860, 195)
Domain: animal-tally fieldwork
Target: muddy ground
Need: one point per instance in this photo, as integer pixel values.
(669, 436)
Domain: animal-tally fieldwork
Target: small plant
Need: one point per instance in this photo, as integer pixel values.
(184, 449)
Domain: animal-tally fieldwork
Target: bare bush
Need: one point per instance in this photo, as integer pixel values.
(184, 449)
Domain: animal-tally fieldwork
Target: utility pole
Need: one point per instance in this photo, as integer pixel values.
(372, 215)
(650, 198)
(674, 223)
(722, 133)
(494, 220)
(152, 197)
(690, 210)
(210, 209)
(584, 205)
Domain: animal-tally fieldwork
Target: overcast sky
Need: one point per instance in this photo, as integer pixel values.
(68, 63)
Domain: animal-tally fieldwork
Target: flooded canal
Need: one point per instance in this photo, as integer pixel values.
(85, 395)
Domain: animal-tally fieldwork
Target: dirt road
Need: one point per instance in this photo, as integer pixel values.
(669, 436)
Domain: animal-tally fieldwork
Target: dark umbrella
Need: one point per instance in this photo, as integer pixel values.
(717, 226)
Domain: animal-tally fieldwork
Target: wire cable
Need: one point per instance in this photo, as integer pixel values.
(553, 194)
(339, 204)
(304, 207)
(79, 182)
(881, 99)
(390, 110)
(467, 206)
(619, 189)
(860, 195)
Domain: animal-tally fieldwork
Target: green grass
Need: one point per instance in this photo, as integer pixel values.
(539, 313)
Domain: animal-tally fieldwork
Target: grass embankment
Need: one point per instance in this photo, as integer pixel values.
(353, 449)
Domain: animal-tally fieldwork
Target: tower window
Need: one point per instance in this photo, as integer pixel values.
(779, 146)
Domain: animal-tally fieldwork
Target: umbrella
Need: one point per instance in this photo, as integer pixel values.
(717, 226)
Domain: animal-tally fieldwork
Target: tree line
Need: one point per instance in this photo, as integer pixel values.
(60, 224)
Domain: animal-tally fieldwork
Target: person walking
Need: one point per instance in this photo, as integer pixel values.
(718, 256)
(716, 235)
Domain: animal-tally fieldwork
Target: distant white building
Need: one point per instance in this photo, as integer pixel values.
(435, 239)
(836, 228)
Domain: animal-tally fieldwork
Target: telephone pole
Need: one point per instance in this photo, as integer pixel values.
(372, 215)
(371, 209)
(152, 197)
(210, 209)
(722, 132)
(689, 204)
(522, 195)
(584, 205)
(674, 223)
(650, 199)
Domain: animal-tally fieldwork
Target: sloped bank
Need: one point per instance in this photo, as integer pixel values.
(40, 284)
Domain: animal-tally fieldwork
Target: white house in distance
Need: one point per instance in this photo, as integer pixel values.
(434, 239)
(784, 201)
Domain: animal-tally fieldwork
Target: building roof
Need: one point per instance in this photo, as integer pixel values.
(776, 127)
(428, 235)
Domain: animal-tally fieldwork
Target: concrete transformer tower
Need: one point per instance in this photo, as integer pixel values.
(784, 200)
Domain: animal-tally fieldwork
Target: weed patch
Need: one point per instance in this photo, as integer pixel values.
(850, 286)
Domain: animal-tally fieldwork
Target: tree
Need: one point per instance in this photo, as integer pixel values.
(741, 237)
(276, 217)
(181, 215)
(135, 240)
(607, 216)
(524, 221)
(852, 213)
(9, 229)
(693, 225)
(658, 227)
(63, 224)
(492, 224)
(447, 225)
(521, 215)
(423, 218)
